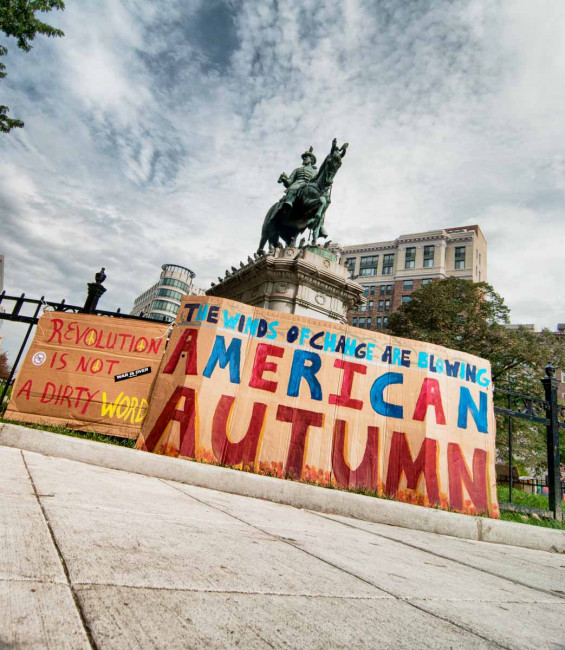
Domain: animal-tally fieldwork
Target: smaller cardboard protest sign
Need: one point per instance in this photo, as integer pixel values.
(89, 373)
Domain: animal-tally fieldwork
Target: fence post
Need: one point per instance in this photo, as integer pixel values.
(510, 467)
(95, 291)
(553, 475)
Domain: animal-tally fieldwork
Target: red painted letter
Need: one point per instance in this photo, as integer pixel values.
(261, 365)
(459, 473)
(301, 420)
(57, 324)
(26, 388)
(244, 451)
(184, 417)
(400, 460)
(429, 394)
(186, 343)
(367, 472)
(344, 398)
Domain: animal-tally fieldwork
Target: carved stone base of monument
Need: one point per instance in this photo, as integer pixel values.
(307, 281)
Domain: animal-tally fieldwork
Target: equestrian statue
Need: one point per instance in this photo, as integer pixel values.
(306, 199)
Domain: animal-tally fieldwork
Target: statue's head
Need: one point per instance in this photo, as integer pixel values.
(308, 157)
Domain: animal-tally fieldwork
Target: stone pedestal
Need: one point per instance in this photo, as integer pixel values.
(307, 281)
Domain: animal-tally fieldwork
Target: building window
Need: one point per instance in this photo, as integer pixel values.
(362, 321)
(388, 263)
(382, 290)
(363, 307)
(373, 290)
(172, 282)
(162, 305)
(428, 256)
(379, 322)
(369, 321)
(406, 299)
(387, 305)
(381, 305)
(355, 322)
(426, 281)
(371, 305)
(161, 317)
(410, 257)
(169, 293)
(350, 265)
(388, 289)
(407, 285)
(369, 265)
(459, 257)
(366, 291)
(385, 321)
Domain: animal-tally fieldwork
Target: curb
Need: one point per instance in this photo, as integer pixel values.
(298, 495)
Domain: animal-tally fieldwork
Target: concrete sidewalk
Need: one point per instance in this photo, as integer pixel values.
(94, 557)
(290, 493)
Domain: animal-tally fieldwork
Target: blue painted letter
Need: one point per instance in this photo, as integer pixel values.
(377, 400)
(231, 356)
(300, 370)
(466, 404)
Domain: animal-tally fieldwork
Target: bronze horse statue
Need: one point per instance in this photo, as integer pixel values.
(308, 210)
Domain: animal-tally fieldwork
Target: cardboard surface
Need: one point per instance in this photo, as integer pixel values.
(89, 372)
(300, 398)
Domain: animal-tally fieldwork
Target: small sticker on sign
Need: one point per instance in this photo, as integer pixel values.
(132, 373)
(39, 358)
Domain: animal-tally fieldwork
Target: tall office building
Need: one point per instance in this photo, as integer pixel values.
(163, 299)
(390, 271)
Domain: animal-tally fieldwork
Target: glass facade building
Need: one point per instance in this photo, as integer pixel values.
(163, 299)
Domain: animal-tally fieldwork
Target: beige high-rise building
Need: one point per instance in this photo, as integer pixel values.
(390, 271)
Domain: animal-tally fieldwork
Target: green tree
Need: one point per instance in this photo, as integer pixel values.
(17, 19)
(4, 367)
(471, 317)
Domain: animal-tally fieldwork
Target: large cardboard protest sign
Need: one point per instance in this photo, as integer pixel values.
(301, 398)
(89, 372)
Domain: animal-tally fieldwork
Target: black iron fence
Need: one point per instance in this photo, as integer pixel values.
(546, 413)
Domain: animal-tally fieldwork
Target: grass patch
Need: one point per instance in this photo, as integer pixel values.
(522, 498)
(520, 518)
(85, 435)
(4, 405)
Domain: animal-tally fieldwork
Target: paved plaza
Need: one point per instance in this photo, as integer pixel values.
(94, 557)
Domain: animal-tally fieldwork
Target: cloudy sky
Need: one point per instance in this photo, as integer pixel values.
(155, 132)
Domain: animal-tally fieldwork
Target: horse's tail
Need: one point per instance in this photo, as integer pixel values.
(268, 230)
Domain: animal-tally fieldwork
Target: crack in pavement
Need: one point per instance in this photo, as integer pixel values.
(69, 584)
(550, 592)
(339, 568)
